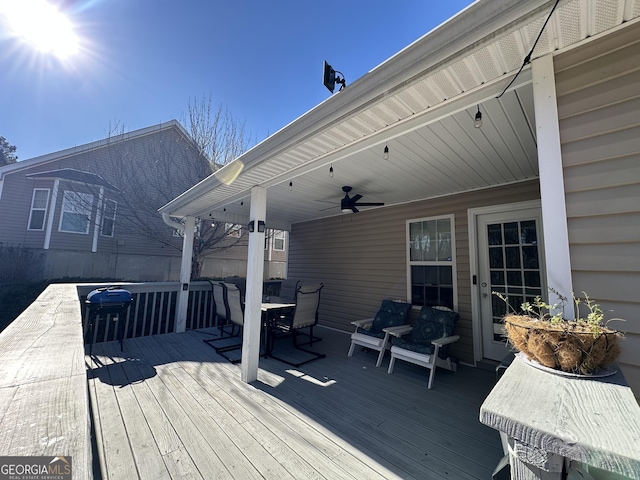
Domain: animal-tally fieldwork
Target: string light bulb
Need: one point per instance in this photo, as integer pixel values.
(331, 171)
(290, 186)
(478, 121)
(385, 153)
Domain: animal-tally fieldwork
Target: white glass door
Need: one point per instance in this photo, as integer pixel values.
(510, 258)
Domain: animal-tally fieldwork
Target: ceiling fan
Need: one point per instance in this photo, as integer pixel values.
(348, 204)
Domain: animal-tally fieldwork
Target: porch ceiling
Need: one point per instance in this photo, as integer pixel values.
(421, 103)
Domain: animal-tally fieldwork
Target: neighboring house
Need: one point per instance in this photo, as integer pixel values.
(545, 193)
(80, 210)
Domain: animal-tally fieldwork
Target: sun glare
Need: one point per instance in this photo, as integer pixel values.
(42, 25)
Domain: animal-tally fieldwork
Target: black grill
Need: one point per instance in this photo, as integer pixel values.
(106, 301)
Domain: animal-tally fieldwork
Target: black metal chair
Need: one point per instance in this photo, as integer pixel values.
(303, 316)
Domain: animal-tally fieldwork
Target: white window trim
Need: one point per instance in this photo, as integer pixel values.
(46, 207)
(104, 217)
(62, 212)
(452, 263)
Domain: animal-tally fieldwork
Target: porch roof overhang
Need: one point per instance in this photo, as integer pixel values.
(421, 103)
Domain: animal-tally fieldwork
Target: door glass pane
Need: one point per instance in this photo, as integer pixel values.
(530, 257)
(514, 278)
(494, 234)
(495, 257)
(511, 236)
(529, 234)
(532, 278)
(497, 277)
(512, 257)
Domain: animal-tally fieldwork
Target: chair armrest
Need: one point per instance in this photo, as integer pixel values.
(446, 340)
(362, 323)
(398, 331)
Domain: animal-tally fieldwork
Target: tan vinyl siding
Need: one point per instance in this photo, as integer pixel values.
(599, 109)
(361, 258)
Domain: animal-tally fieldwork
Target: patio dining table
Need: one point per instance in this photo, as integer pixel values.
(269, 310)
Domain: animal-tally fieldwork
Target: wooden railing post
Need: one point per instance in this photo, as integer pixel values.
(554, 423)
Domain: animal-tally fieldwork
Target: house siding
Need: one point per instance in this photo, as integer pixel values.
(598, 105)
(127, 254)
(358, 273)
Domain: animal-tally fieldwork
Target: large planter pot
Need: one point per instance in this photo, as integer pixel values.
(568, 346)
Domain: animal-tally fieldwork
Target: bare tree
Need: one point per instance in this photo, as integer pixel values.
(148, 174)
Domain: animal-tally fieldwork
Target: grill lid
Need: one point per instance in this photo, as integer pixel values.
(109, 296)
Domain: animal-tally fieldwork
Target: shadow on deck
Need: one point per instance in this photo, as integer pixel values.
(169, 407)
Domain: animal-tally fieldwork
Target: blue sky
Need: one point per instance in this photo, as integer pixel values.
(142, 60)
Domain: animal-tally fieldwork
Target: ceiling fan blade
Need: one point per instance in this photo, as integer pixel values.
(355, 198)
(354, 209)
(369, 204)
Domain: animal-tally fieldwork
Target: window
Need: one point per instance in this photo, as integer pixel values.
(108, 218)
(39, 204)
(76, 212)
(233, 230)
(431, 255)
(278, 240)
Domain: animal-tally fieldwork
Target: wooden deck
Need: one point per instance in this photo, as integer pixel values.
(170, 407)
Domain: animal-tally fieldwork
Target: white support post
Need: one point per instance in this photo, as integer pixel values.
(98, 222)
(185, 274)
(52, 211)
(554, 212)
(253, 298)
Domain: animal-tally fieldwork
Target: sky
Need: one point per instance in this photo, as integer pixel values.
(140, 62)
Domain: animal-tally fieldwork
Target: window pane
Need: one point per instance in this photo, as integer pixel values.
(429, 239)
(40, 198)
(76, 212)
(415, 237)
(444, 240)
(446, 277)
(514, 278)
(107, 227)
(74, 222)
(37, 220)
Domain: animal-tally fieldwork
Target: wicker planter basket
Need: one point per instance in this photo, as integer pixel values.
(569, 346)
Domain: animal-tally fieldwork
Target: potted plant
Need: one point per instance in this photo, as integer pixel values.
(582, 346)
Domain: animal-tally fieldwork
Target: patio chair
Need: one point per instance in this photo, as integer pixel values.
(304, 315)
(234, 315)
(370, 333)
(427, 342)
(288, 289)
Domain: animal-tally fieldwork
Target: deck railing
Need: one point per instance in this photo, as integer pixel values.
(152, 312)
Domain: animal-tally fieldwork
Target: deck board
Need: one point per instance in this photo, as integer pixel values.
(184, 413)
